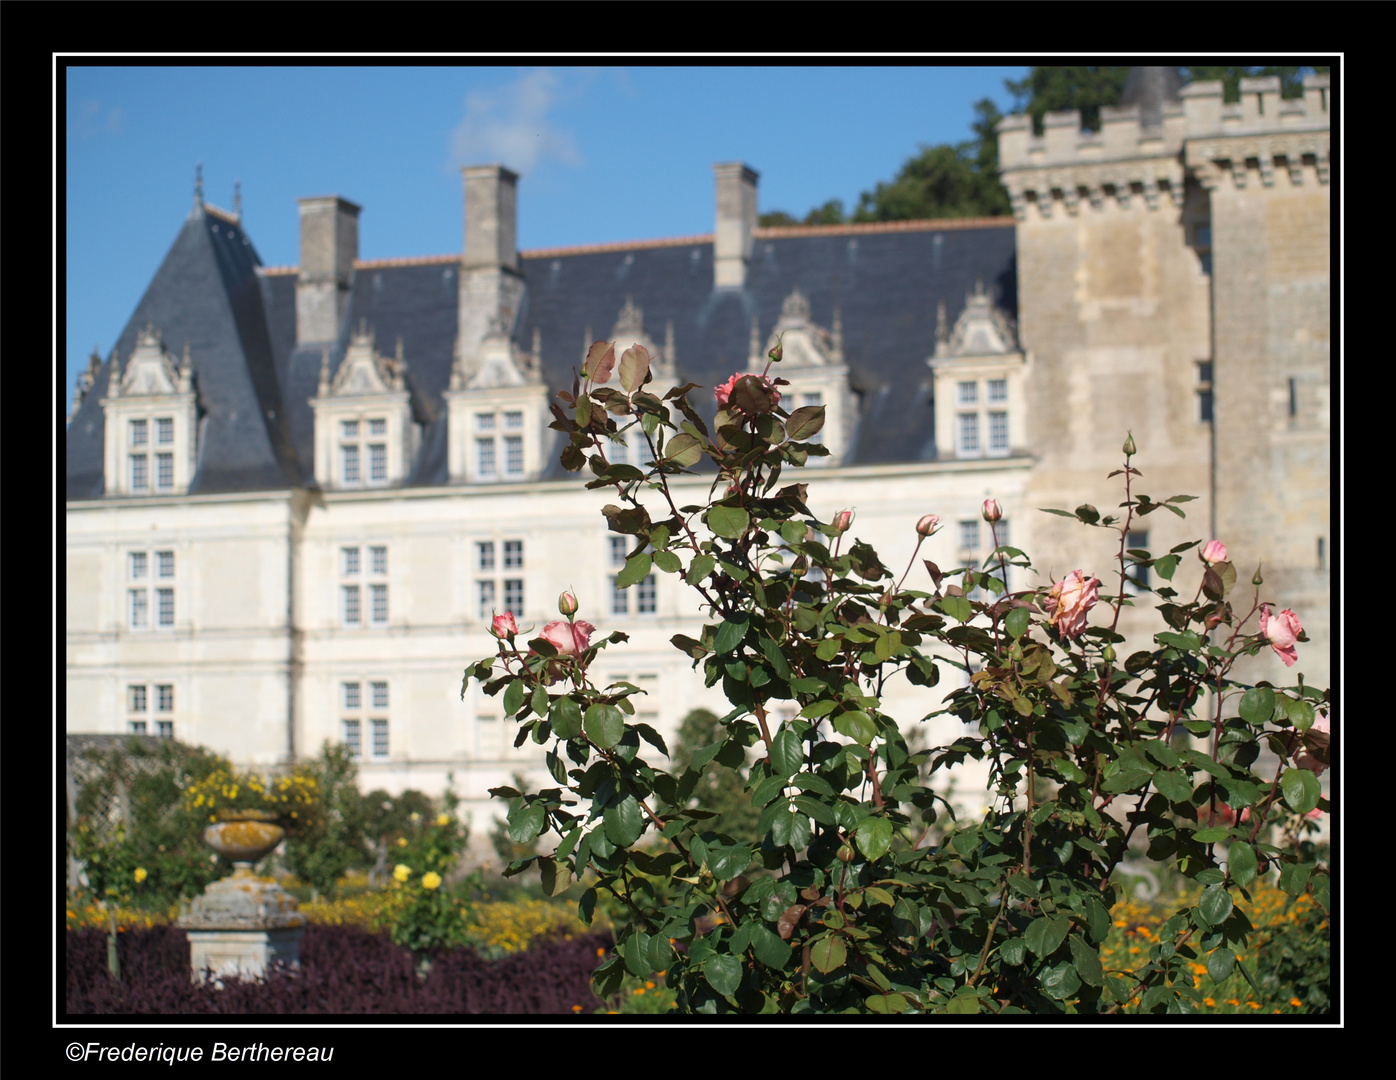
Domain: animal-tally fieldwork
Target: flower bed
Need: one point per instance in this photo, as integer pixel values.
(345, 970)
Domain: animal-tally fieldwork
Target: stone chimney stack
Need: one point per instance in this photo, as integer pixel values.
(490, 282)
(329, 246)
(736, 222)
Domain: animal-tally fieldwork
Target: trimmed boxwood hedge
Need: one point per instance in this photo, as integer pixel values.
(344, 971)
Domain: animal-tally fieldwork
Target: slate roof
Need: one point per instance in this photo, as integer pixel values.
(886, 280)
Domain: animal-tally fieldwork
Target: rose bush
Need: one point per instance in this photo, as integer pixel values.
(858, 890)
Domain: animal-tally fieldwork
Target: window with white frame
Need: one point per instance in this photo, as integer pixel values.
(969, 535)
(998, 391)
(513, 444)
(144, 699)
(967, 433)
(1136, 576)
(138, 438)
(998, 432)
(967, 393)
(1204, 391)
(150, 603)
(354, 590)
(490, 590)
(484, 447)
(364, 713)
(360, 440)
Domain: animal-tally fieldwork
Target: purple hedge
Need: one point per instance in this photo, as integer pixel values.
(344, 971)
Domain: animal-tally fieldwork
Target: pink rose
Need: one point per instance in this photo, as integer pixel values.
(504, 626)
(1281, 631)
(724, 392)
(992, 511)
(1316, 737)
(1070, 600)
(570, 639)
(928, 524)
(1213, 552)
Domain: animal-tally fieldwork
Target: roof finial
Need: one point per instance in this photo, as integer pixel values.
(836, 345)
(198, 186)
(237, 200)
(754, 346)
(669, 342)
(324, 387)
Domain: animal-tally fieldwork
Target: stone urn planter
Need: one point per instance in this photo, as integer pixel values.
(244, 836)
(243, 923)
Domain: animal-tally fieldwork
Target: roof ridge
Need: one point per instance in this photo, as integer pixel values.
(908, 225)
(620, 245)
(219, 212)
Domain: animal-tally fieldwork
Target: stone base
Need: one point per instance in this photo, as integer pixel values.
(245, 953)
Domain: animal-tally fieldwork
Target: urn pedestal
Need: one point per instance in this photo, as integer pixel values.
(243, 923)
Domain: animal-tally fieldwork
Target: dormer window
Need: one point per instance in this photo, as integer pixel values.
(151, 421)
(366, 435)
(974, 364)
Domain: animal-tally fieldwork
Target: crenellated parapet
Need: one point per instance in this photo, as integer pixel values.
(1066, 167)
(1259, 136)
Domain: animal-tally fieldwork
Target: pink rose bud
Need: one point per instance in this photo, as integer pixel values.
(1281, 631)
(842, 520)
(504, 626)
(992, 510)
(1069, 601)
(928, 525)
(1214, 551)
(567, 604)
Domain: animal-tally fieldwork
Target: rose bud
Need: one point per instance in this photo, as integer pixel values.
(842, 520)
(992, 511)
(928, 525)
(1129, 445)
(567, 604)
(504, 626)
(1214, 551)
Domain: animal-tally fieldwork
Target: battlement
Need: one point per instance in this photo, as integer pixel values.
(1197, 133)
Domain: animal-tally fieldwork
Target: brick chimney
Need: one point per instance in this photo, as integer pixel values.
(736, 221)
(329, 246)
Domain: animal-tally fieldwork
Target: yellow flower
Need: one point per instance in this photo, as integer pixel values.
(443, 819)
(1295, 1002)
(402, 841)
(141, 874)
(431, 880)
(401, 872)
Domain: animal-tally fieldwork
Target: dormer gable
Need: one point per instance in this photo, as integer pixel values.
(365, 433)
(497, 411)
(979, 389)
(812, 362)
(151, 418)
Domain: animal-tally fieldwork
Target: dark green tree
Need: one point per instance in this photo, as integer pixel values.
(1291, 78)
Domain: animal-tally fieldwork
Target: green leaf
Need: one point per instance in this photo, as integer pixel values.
(624, 822)
(1175, 787)
(1013, 951)
(769, 948)
(856, 725)
(636, 569)
(787, 753)
(828, 953)
(668, 562)
(1017, 622)
(1241, 861)
(1301, 790)
(566, 718)
(728, 521)
(604, 725)
(1220, 963)
(887, 645)
(724, 973)
(1294, 876)
(730, 634)
(957, 607)
(513, 697)
(726, 863)
(805, 422)
(1166, 565)
(874, 837)
(1211, 835)
(962, 1005)
(1215, 905)
(1257, 705)
(556, 876)
(1045, 933)
(1061, 980)
(777, 659)
(1086, 960)
(789, 827)
(702, 566)
(683, 450)
(526, 823)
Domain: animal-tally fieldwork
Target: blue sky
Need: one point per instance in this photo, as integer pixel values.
(604, 154)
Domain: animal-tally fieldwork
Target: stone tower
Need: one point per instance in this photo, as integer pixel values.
(1173, 282)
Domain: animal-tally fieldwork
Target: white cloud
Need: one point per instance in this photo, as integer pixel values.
(510, 126)
(93, 118)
